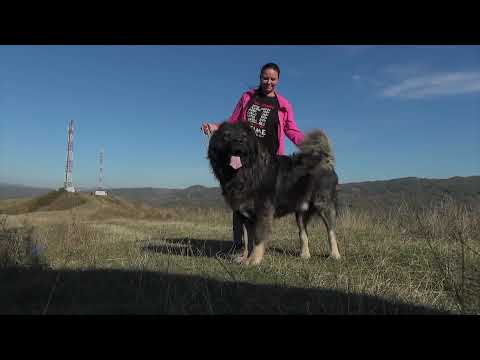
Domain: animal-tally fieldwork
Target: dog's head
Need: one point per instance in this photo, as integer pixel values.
(232, 147)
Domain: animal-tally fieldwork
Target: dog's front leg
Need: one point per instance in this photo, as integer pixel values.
(261, 234)
(247, 236)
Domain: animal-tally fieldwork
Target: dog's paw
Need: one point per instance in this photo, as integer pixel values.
(305, 255)
(335, 256)
(252, 261)
(240, 259)
(245, 261)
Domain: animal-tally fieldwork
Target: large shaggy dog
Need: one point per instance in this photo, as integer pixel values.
(261, 186)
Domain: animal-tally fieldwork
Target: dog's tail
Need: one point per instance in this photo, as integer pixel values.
(318, 145)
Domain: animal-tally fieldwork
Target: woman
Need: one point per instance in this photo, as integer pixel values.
(270, 115)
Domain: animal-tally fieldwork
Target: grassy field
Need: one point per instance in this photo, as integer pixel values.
(106, 256)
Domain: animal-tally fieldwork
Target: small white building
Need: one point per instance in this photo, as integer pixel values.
(100, 193)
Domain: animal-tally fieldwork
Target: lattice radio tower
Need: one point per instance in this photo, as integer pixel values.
(68, 168)
(100, 190)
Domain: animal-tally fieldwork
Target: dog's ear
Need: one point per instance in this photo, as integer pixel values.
(217, 154)
(252, 144)
(214, 146)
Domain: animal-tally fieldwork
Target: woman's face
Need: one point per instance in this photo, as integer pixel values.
(269, 81)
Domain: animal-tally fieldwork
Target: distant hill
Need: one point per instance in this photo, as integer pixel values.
(95, 207)
(367, 194)
(415, 190)
(197, 196)
(9, 191)
(52, 200)
(356, 195)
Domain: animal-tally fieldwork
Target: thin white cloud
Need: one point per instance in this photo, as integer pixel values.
(402, 71)
(356, 77)
(434, 85)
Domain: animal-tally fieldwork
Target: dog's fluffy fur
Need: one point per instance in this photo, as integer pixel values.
(267, 186)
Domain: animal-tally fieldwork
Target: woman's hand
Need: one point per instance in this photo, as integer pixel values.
(208, 128)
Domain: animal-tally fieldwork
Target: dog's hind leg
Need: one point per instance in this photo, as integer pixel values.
(328, 215)
(302, 221)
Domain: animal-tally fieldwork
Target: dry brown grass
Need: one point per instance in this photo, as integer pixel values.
(405, 260)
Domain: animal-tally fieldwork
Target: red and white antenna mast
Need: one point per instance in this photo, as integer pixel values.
(68, 168)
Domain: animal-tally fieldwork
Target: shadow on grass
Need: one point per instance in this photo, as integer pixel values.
(294, 252)
(190, 247)
(209, 248)
(103, 291)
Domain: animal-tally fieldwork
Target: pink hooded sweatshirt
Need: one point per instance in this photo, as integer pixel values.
(287, 125)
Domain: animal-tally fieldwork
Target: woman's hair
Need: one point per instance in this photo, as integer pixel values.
(272, 66)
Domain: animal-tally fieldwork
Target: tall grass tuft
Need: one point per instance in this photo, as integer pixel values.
(18, 246)
(444, 235)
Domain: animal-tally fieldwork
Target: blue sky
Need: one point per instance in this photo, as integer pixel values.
(390, 111)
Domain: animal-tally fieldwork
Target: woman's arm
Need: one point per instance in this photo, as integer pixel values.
(209, 128)
(237, 111)
(291, 129)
